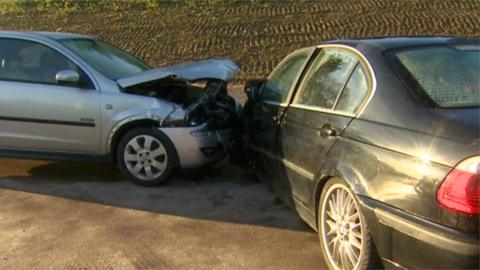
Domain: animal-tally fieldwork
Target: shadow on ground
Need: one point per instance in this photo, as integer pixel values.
(220, 194)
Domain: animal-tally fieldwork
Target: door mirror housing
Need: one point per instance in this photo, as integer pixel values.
(67, 77)
(252, 88)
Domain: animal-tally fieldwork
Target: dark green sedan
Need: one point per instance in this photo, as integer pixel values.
(375, 143)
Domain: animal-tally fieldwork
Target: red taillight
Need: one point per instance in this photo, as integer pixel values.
(460, 191)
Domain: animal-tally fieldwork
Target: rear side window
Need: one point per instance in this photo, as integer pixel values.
(449, 76)
(281, 80)
(326, 79)
(354, 93)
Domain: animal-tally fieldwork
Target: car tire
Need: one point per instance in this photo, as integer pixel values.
(344, 235)
(146, 156)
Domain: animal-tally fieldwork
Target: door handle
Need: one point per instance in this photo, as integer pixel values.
(327, 131)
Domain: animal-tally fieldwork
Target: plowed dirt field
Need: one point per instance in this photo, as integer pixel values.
(257, 35)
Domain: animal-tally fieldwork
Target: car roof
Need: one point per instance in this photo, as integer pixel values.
(51, 35)
(62, 35)
(398, 42)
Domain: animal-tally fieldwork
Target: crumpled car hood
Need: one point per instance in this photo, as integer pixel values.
(219, 69)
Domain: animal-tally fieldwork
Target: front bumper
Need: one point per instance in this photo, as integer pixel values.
(199, 145)
(406, 241)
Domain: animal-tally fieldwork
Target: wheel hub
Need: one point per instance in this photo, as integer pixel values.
(342, 229)
(143, 155)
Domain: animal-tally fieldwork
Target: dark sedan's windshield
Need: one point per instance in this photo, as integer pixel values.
(450, 76)
(105, 58)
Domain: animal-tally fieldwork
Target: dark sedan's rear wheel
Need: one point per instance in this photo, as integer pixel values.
(145, 155)
(344, 236)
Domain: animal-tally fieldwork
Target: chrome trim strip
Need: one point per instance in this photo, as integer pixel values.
(365, 63)
(297, 78)
(295, 81)
(350, 69)
(318, 109)
(275, 103)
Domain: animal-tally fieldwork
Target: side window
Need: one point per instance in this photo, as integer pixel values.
(281, 80)
(326, 79)
(354, 92)
(27, 61)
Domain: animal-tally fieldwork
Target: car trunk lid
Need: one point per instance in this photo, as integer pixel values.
(463, 126)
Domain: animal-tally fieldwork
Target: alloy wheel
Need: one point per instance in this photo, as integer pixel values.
(341, 228)
(145, 157)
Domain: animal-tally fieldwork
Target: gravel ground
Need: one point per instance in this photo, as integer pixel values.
(65, 215)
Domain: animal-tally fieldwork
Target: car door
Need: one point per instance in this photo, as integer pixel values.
(36, 112)
(264, 113)
(326, 101)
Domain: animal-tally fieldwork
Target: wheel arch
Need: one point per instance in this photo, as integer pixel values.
(120, 129)
(340, 170)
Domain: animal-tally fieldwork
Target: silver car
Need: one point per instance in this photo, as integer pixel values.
(70, 96)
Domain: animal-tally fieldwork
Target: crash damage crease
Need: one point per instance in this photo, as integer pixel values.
(198, 92)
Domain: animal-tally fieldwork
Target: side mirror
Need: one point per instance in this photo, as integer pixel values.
(67, 77)
(252, 88)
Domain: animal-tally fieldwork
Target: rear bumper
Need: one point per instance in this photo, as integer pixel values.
(407, 241)
(199, 145)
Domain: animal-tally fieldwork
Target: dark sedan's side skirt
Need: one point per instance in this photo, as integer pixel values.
(305, 212)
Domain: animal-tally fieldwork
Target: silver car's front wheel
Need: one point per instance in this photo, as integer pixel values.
(344, 236)
(145, 155)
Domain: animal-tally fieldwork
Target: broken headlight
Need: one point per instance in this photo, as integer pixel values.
(196, 117)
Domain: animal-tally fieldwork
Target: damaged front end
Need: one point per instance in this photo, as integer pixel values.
(204, 117)
(201, 102)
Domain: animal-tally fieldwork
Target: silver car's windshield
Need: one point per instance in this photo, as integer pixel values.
(105, 58)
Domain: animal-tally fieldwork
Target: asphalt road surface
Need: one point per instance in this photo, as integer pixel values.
(64, 215)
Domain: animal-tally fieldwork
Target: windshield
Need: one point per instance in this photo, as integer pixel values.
(450, 76)
(105, 58)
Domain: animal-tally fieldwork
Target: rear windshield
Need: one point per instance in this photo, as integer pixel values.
(449, 76)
